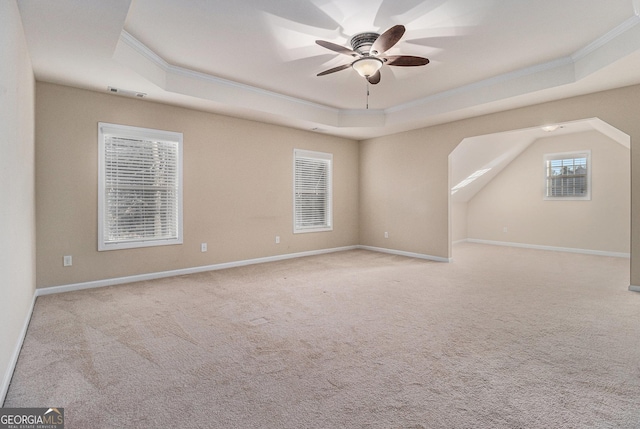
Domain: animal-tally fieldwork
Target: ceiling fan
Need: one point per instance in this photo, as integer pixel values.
(369, 49)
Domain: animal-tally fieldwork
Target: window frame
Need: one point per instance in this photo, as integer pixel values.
(564, 156)
(124, 131)
(328, 221)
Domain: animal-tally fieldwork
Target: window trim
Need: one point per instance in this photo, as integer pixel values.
(567, 155)
(328, 226)
(126, 131)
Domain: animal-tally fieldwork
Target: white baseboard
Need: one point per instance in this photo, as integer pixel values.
(6, 380)
(552, 248)
(181, 272)
(633, 288)
(162, 274)
(402, 253)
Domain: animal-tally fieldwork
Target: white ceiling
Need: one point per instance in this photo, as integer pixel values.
(257, 59)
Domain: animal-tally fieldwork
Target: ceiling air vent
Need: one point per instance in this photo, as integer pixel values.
(126, 92)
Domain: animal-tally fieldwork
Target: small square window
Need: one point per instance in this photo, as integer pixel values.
(568, 176)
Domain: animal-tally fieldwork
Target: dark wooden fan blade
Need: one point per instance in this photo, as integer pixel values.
(335, 69)
(337, 48)
(405, 61)
(387, 39)
(375, 79)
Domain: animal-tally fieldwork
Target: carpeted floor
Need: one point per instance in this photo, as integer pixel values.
(500, 338)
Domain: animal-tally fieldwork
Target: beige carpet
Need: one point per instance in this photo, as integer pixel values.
(500, 338)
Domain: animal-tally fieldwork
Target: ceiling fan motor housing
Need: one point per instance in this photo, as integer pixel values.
(361, 43)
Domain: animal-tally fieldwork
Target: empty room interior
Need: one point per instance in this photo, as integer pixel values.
(322, 214)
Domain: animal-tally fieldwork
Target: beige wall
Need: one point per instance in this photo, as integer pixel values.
(404, 186)
(17, 210)
(403, 191)
(237, 187)
(403, 182)
(514, 200)
(459, 230)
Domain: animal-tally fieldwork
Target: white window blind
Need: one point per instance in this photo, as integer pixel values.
(568, 176)
(312, 191)
(140, 196)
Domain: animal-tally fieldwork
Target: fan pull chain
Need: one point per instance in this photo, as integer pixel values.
(367, 95)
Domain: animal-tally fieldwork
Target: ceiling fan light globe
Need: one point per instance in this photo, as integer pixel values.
(367, 67)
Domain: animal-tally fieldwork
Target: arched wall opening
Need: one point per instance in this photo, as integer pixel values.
(497, 189)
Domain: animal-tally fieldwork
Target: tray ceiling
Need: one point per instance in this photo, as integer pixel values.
(258, 59)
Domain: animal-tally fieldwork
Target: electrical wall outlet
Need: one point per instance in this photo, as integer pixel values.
(203, 247)
(386, 234)
(505, 229)
(67, 261)
(277, 239)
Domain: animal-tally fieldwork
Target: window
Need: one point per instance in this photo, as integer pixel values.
(140, 187)
(568, 176)
(312, 191)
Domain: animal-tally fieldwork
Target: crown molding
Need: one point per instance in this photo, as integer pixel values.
(562, 71)
(606, 38)
(168, 68)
